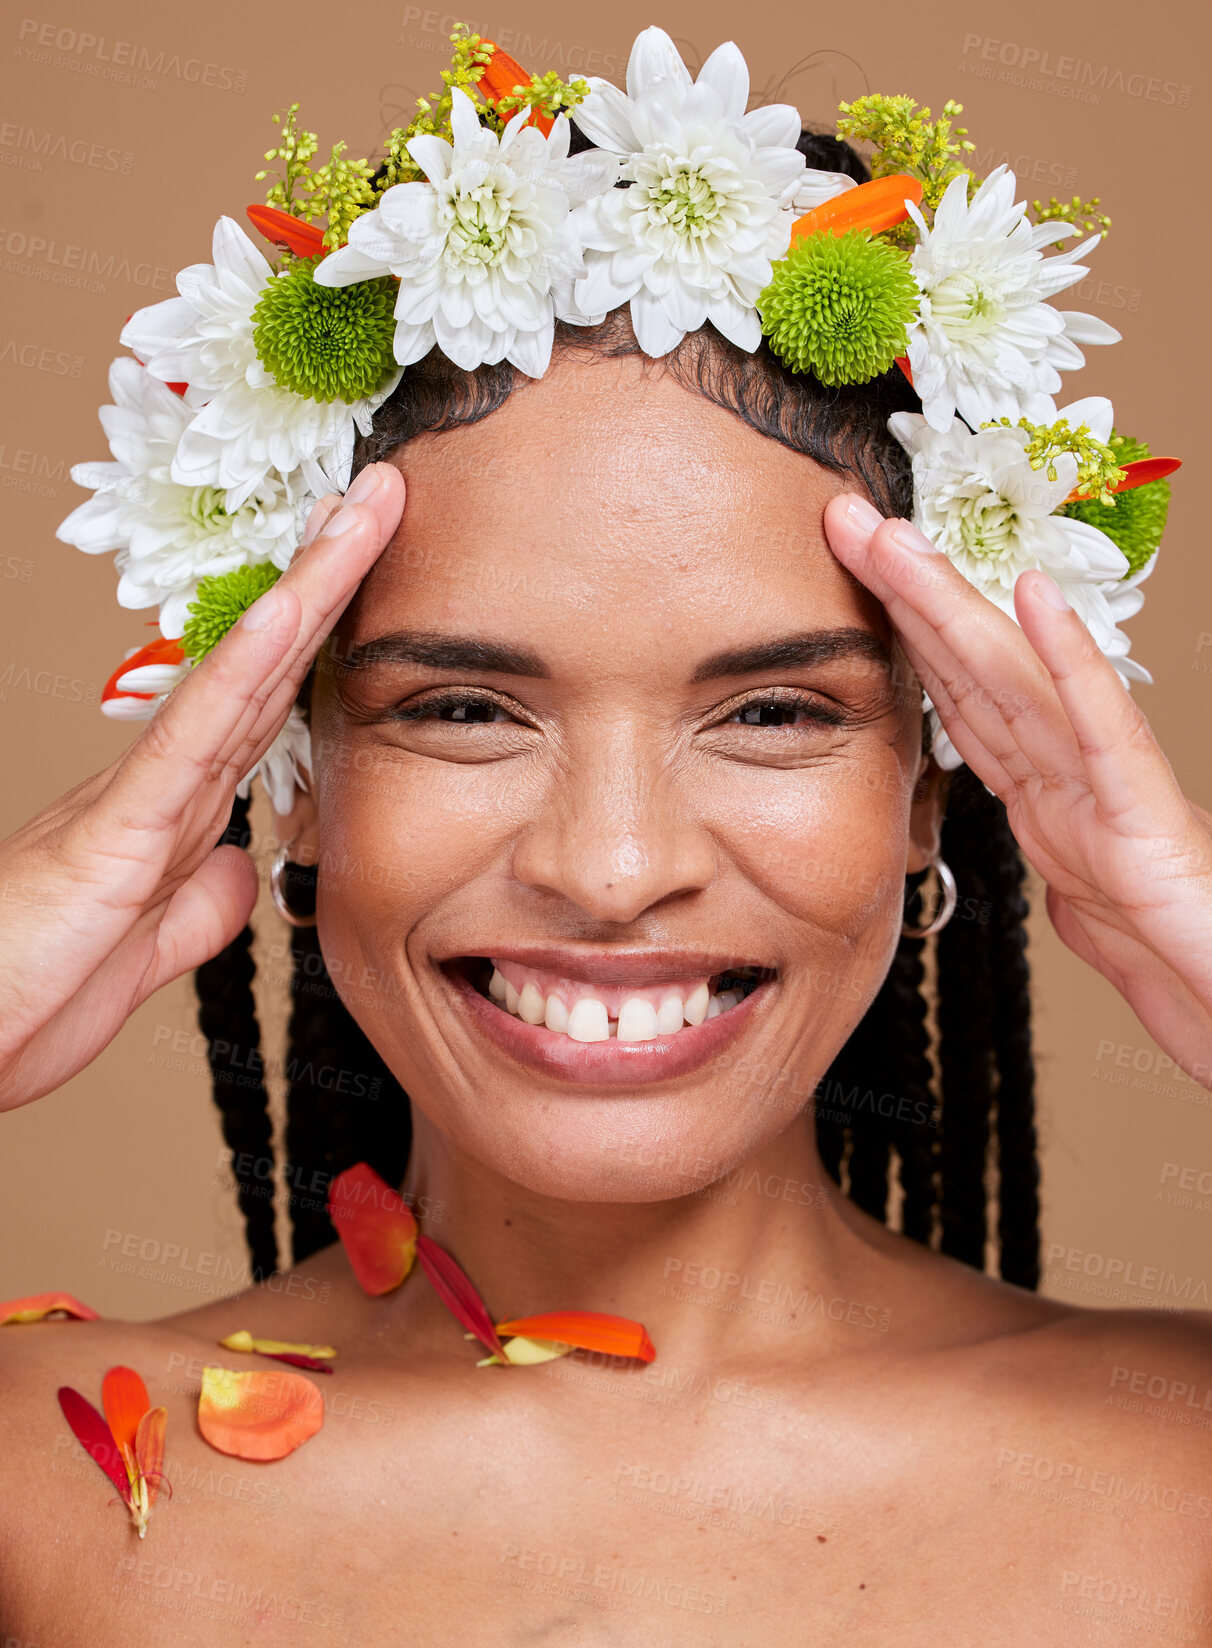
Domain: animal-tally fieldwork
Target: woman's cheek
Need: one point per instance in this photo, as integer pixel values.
(825, 843)
(408, 830)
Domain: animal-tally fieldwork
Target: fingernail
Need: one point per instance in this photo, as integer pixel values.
(339, 521)
(320, 511)
(367, 482)
(1048, 591)
(863, 514)
(267, 609)
(908, 537)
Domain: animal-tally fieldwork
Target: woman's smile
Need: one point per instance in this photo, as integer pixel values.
(609, 1018)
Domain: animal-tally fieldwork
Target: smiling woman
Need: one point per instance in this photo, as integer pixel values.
(801, 712)
(614, 716)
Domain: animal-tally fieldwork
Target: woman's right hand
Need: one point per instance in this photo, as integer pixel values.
(118, 887)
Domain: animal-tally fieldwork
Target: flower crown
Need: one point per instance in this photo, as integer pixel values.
(237, 407)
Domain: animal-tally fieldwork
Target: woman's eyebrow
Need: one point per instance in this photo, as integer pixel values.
(818, 646)
(444, 652)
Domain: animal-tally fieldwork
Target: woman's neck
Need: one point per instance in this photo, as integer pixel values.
(770, 1241)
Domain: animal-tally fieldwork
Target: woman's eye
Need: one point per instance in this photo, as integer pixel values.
(456, 709)
(785, 712)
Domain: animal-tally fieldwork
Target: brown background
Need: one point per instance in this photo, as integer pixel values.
(127, 129)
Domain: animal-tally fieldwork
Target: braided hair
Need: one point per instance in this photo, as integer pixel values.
(928, 1101)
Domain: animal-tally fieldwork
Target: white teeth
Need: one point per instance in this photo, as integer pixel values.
(531, 1003)
(589, 1020)
(669, 1016)
(637, 1020)
(696, 1004)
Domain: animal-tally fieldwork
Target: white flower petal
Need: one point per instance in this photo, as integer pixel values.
(654, 57)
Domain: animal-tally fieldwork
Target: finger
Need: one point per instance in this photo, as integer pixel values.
(227, 711)
(204, 915)
(1128, 772)
(992, 676)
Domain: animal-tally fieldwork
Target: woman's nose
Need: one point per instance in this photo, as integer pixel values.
(616, 834)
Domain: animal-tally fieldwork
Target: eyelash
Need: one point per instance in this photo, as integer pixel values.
(812, 708)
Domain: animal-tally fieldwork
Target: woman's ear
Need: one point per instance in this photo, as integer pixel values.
(299, 828)
(926, 815)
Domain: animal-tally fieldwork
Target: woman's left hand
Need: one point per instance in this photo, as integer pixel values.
(1043, 718)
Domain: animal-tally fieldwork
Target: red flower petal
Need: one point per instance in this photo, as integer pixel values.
(501, 74)
(93, 1435)
(588, 1329)
(377, 1230)
(1137, 473)
(38, 1306)
(454, 1288)
(313, 1364)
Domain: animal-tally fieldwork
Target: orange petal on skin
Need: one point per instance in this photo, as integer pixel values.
(258, 1415)
(149, 1450)
(281, 229)
(377, 1230)
(877, 206)
(38, 1306)
(587, 1330)
(1138, 473)
(125, 1400)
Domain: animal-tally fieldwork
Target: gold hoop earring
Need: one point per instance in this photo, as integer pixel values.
(946, 908)
(277, 889)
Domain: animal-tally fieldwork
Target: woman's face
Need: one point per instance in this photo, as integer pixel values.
(610, 719)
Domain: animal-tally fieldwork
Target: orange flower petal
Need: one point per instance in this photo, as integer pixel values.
(501, 74)
(162, 651)
(279, 227)
(377, 1230)
(1138, 473)
(877, 206)
(125, 1400)
(38, 1306)
(258, 1415)
(149, 1450)
(588, 1330)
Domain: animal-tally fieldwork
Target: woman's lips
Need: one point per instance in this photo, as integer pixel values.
(609, 1062)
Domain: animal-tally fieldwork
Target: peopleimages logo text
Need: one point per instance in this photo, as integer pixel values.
(1037, 60)
(131, 55)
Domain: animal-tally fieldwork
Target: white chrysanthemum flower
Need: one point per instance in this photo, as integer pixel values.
(485, 251)
(713, 195)
(286, 764)
(248, 425)
(987, 343)
(977, 498)
(167, 536)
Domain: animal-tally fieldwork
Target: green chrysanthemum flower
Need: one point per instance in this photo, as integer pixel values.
(220, 601)
(326, 342)
(1137, 519)
(838, 306)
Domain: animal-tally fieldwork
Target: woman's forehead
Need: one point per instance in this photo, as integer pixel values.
(608, 492)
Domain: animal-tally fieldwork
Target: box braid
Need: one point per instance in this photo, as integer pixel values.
(879, 1096)
(227, 1017)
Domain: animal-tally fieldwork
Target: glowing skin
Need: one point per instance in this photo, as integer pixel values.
(625, 537)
